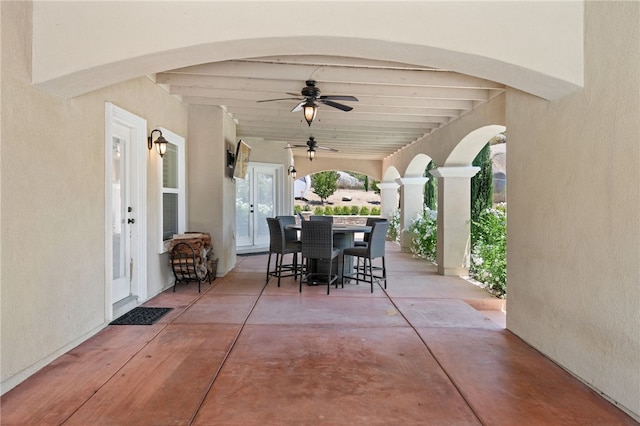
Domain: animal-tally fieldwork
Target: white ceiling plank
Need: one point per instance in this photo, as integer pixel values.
(326, 74)
(398, 103)
(280, 88)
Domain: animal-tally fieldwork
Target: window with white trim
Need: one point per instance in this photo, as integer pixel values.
(172, 208)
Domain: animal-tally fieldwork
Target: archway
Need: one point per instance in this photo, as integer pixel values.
(454, 201)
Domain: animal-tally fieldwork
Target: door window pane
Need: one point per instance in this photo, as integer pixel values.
(243, 209)
(265, 197)
(118, 204)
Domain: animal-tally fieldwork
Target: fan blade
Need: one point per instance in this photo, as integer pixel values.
(326, 148)
(336, 105)
(280, 99)
(299, 106)
(339, 98)
(295, 146)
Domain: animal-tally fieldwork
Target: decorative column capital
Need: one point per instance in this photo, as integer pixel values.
(406, 181)
(388, 185)
(455, 172)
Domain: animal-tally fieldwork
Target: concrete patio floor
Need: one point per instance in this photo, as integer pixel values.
(242, 353)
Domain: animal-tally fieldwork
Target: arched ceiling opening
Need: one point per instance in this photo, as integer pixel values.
(467, 149)
(410, 79)
(390, 175)
(417, 166)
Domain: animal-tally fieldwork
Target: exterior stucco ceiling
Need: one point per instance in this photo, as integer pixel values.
(398, 104)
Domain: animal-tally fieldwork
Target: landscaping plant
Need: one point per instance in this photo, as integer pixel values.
(489, 250)
(393, 234)
(423, 230)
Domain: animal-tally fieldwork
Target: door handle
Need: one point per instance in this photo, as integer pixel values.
(130, 220)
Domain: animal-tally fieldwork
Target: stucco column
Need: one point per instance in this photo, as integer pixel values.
(411, 205)
(454, 218)
(388, 198)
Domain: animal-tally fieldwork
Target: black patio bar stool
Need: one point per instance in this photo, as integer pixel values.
(317, 248)
(375, 249)
(279, 245)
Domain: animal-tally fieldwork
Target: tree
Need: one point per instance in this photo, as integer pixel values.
(325, 184)
(482, 184)
(431, 188)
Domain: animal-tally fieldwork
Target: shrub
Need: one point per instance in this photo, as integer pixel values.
(297, 209)
(424, 230)
(328, 210)
(306, 208)
(364, 211)
(354, 210)
(394, 226)
(318, 211)
(489, 250)
(375, 211)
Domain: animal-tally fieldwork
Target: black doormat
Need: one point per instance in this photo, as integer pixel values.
(141, 316)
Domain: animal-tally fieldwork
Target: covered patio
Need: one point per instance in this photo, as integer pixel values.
(430, 349)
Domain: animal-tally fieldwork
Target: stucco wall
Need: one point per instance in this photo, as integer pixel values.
(211, 190)
(53, 204)
(573, 246)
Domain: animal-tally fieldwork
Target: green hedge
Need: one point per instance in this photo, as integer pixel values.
(339, 210)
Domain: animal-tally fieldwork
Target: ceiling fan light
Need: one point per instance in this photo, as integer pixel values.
(310, 110)
(311, 153)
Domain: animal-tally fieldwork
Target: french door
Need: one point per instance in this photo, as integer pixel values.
(257, 198)
(125, 203)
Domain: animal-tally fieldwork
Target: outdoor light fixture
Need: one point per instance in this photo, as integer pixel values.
(292, 171)
(311, 153)
(161, 142)
(309, 109)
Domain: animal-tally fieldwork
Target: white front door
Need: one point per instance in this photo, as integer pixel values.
(256, 199)
(125, 179)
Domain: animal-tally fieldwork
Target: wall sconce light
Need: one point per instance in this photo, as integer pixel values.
(161, 142)
(231, 159)
(292, 171)
(311, 153)
(310, 110)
